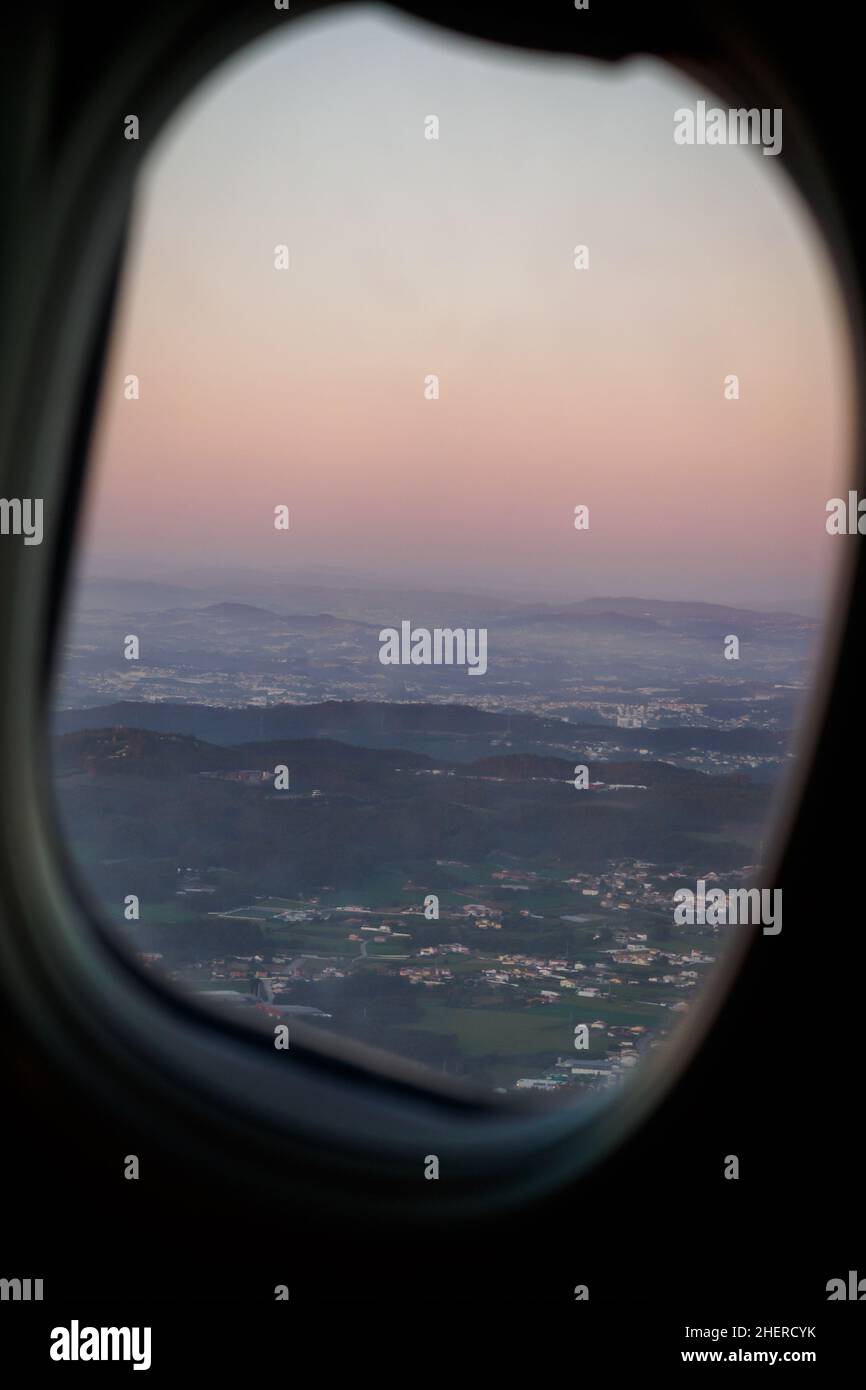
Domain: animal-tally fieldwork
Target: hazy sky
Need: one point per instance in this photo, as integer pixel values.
(411, 256)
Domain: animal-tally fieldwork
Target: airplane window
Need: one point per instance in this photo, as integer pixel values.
(455, 560)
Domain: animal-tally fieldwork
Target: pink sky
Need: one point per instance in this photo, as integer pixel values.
(454, 257)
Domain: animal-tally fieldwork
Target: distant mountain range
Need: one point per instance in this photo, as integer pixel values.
(130, 752)
(132, 794)
(379, 604)
(701, 620)
(403, 725)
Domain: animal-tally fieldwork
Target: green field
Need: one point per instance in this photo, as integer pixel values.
(164, 914)
(543, 1028)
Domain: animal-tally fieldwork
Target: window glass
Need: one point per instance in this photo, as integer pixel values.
(454, 563)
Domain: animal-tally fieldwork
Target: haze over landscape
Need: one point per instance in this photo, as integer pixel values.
(310, 901)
